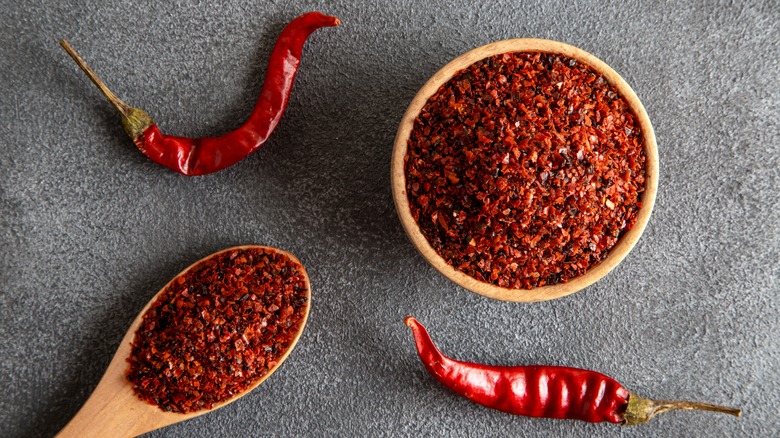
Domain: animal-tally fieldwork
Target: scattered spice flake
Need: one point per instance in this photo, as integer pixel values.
(217, 329)
(540, 161)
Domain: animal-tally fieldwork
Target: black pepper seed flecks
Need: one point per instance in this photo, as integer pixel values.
(524, 169)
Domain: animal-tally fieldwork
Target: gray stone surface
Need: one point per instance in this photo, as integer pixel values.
(90, 229)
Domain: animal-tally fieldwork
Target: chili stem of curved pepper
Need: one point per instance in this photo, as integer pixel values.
(115, 101)
(640, 409)
(134, 120)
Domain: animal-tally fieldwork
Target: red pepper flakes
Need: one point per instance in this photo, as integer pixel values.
(525, 169)
(217, 329)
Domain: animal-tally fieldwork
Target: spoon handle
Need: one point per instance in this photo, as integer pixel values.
(107, 412)
(113, 410)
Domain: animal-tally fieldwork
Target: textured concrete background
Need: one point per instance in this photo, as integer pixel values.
(91, 229)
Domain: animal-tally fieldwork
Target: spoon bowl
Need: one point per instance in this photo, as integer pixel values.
(114, 409)
(398, 174)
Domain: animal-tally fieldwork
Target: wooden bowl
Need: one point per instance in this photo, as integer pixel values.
(616, 254)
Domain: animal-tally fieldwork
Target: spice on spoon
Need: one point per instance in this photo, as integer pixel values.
(545, 391)
(217, 329)
(201, 156)
(524, 169)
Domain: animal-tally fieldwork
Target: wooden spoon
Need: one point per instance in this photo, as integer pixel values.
(398, 174)
(114, 410)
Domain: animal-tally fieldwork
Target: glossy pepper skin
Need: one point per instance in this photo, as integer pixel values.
(543, 391)
(201, 156)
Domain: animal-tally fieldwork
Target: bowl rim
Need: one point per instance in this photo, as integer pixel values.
(548, 292)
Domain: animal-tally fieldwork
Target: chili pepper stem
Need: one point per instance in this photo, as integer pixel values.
(641, 410)
(134, 120)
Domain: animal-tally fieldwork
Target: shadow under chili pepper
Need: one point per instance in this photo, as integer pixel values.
(229, 112)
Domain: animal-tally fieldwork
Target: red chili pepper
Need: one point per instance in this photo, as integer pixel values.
(545, 391)
(201, 156)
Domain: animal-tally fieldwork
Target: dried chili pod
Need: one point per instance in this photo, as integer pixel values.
(201, 156)
(545, 391)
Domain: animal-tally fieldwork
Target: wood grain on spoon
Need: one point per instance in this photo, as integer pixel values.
(114, 410)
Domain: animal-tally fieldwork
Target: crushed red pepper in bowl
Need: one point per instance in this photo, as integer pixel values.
(219, 329)
(523, 169)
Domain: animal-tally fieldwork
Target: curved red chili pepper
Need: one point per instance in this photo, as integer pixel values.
(544, 391)
(201, 156)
